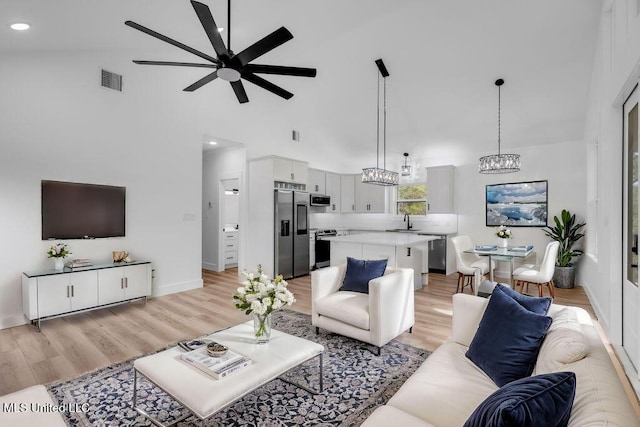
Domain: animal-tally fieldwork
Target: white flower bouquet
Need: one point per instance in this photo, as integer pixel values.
(262, 296)
(503, 232)
(59, 250)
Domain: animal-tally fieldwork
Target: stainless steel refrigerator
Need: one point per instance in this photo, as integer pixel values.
(291, 233)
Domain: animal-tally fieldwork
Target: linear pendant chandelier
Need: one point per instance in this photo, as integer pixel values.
(499, 163)
(377, 175)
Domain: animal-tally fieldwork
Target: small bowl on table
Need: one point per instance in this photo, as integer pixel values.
(215, 349)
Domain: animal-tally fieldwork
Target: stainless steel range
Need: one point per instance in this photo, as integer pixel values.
(323, 248)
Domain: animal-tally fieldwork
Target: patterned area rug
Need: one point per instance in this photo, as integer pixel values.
(355, 380)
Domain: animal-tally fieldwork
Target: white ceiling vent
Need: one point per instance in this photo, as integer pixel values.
(111, 80)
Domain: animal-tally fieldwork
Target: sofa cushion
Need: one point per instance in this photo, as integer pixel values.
(564, 343)
(542, 400)
(348, 307)
(508, 339)
(537, 305)
(359, 272)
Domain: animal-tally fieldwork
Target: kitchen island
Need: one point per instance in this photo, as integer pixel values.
(400, 249)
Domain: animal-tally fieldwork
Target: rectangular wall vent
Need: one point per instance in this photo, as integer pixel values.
(295, 135)
(111, 80)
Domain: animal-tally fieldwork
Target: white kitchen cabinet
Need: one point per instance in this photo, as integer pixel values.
(347, 193)
(50, 293)
(333, 191)
(317, 181)
(120, 284)
(440, 189)
(66, 292)
(289, 170)
(370, 198)
(230, 249)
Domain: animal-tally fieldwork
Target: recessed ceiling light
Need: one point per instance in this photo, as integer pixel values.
(20, 26)
(213, 143)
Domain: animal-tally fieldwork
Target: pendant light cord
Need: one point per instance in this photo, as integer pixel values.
(498, 118)
(378, 127)
(384, 132)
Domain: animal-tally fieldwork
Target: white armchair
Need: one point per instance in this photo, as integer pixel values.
(375, 318)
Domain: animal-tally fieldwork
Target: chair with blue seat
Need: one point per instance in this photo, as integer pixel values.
(540, 275)
(469, 264)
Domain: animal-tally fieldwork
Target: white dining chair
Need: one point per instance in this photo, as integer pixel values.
(468, 264)
(540, 275)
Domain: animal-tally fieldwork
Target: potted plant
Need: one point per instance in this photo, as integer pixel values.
(567, 232)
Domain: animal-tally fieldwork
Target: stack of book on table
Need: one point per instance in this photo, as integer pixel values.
(486, 247)
(523, 248)
(217, 367)
(80, 262)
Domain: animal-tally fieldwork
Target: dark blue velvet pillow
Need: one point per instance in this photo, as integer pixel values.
(508, 339)
(359, 272)
(543, 400)
(539, 305)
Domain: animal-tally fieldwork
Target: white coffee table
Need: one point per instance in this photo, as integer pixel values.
(205, 396)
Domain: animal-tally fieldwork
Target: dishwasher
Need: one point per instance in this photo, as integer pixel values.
(438, 255)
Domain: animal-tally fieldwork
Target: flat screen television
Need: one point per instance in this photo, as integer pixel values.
(73, 210)
(517, 204)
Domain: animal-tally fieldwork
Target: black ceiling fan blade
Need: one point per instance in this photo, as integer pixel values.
(265, 84)
(281, 70)
(203, 81)
(171, 41)
(238, 88)
(176, 64)
(264, 45)
(210, 27)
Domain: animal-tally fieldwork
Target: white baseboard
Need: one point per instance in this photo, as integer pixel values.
(210, 266)
(12, 320)
(173, 288)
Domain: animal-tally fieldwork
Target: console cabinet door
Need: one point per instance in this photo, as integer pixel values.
(111, 285)
(84, 290)
(135, 281)
(54, 295)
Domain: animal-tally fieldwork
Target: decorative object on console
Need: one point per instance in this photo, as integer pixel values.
(262, 296)
(377, 175)
(499, 163)
(58, 252)
(567, 232)
(406, 169)
(120, 256)
(517, 204)
(228, 65)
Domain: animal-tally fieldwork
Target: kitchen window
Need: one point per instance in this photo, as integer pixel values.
(412, 199)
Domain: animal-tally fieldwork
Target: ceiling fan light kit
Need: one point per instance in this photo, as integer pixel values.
(499, 163)
(228, 65)
(377, 175)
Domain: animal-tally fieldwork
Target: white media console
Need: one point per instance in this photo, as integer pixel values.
(53, 293)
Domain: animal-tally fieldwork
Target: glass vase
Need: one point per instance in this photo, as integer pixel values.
(262, 327)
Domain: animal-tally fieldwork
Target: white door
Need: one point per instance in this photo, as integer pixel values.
(136, 281)
(84, 290)
(54, 295)
(630, 294)
(111, 285)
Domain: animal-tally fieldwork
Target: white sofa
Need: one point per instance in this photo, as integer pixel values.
(447, 387)
(375, 318)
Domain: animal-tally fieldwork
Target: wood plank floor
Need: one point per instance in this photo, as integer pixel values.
(70, 346)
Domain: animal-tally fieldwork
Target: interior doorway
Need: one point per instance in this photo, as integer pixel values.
(229, 222)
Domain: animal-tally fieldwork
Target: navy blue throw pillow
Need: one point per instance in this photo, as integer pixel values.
(539, 305)
(359, 272)
(508, 339)
(543, 400)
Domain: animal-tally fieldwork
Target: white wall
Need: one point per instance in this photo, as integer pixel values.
(58, 123)
(219, 165)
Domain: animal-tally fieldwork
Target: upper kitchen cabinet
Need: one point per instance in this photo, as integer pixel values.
(440, 189)
(317, 181)
(289, 170)
(370, 198)
(347, 193)
(332, 183)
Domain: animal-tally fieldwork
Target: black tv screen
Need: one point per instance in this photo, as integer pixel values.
(72, 210)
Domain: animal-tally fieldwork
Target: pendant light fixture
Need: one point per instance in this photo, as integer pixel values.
(377, 175)
(499, 163)
(405, 170)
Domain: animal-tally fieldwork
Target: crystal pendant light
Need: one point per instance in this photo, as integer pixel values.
(377, 175)
(405, 170)
(499, 163)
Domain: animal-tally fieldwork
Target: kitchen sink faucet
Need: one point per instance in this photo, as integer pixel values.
(407, 220)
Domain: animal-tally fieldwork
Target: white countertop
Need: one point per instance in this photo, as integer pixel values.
(385, 239)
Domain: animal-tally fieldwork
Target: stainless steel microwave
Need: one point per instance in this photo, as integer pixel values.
(319, 200)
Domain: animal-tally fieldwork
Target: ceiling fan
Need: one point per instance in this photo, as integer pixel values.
(228, 65)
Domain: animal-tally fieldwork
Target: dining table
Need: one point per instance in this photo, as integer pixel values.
(508, 253)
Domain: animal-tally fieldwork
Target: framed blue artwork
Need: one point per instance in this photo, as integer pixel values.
(517, 204)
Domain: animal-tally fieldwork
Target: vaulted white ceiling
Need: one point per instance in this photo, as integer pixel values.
(443, 57)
